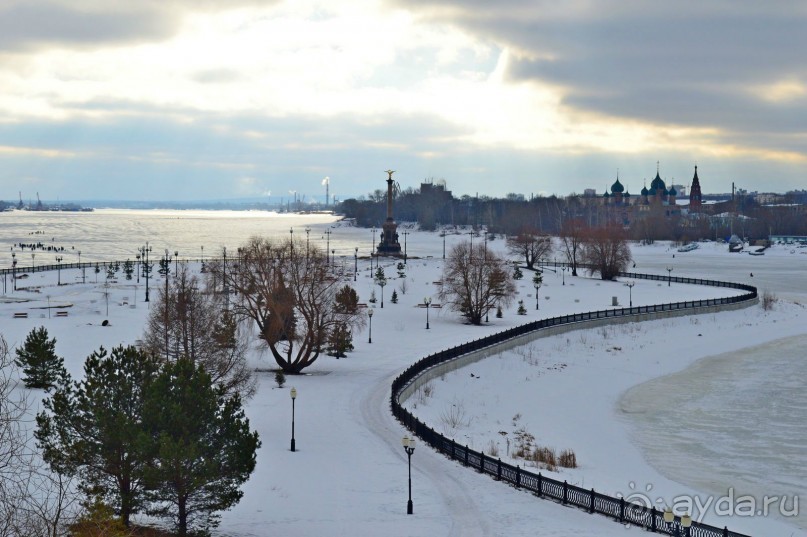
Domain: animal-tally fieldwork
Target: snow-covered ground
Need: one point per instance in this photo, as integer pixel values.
(348, 475)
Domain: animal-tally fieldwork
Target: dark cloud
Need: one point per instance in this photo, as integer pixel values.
(27, 25)
(32, 25)
(690, 63)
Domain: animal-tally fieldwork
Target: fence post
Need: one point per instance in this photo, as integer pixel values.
(482, 461)
(518, 476)
(591, 508)
(565, 492)
(725, 531)
(466, 454)
(653, 518)
(622, 509)
(499, 470)
(540, 484)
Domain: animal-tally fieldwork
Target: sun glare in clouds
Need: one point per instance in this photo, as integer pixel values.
(325, 60)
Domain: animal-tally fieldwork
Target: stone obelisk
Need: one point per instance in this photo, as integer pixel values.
(389, 244)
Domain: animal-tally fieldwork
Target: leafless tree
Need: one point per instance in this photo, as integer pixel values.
(288, 289)
(530, 245)
(475, 281)
(192, 322)
(606, 251)
(33, 501)
(572, 233)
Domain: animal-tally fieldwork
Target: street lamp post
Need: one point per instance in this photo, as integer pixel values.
(293, 394)
(138, 267)
(307, 238)
(83, 274)
(428, 302)
(675, 529)
(146, 250)
(443, 234)
(59, 270)
(355, 263)
(328, 244)
(370, 313)
(669, 275)
(373, 250)
(14, 269)
(409, 447)
(537, 301)
(686, 523)
(563, 273)
(381, 284)
(630, 291)
(405, 233)
(33, 255)
(486, 244)
(176, 263)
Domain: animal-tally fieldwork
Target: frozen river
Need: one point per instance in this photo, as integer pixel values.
(735, 418)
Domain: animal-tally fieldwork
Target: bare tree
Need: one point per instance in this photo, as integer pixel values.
(606, 251)
(530, 245)
(289, 291)
(191, 322)
(33, 501)
(475, 281)
(572, 233)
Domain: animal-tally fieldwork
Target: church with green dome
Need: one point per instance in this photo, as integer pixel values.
(657, 200)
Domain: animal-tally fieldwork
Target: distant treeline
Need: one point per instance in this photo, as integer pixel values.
(436, 207)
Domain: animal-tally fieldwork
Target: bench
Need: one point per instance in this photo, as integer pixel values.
(61, 314)
(21, 315)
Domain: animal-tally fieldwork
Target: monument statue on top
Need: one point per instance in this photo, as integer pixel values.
(389, 244)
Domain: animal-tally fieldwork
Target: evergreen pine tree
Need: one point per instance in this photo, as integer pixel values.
(499, 313)
(340, 341)
(280, 378)
(521, 309)
(204, 448)
(517, 275)
(94, 429)
(38, 360)
(394, 298)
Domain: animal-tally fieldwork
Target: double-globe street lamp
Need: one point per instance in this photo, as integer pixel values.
(669, 275)
(675, 529)
(428, 302)
(630, 285)
(409, 447)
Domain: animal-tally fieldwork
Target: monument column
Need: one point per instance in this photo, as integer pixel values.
(389, 244)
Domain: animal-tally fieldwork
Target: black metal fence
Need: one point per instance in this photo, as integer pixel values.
(619, 509)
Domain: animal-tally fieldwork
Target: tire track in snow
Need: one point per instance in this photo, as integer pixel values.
(467, 517)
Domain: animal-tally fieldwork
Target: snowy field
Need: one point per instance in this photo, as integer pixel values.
(578, 391)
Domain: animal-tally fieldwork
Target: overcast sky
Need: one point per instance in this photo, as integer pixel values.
(207, 99)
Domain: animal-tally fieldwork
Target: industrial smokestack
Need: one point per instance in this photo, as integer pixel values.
(327, 183)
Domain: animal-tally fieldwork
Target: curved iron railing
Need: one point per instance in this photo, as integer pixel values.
(619, 509)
